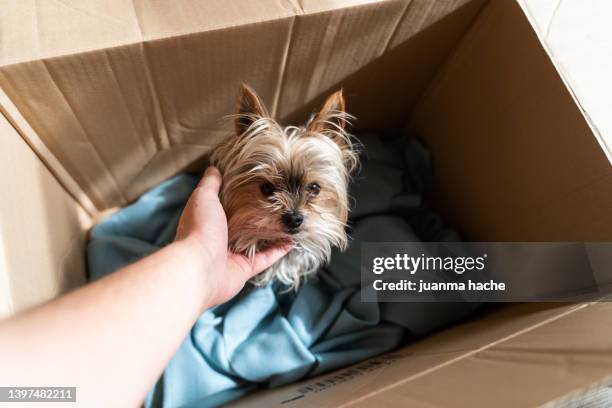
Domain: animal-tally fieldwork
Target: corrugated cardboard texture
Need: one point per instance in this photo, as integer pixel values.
(34, 30)
(514, 159)
(125, 94)
(8, 109)
(42, 229)
(530, 325)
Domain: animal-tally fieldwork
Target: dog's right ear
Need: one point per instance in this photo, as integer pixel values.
(250, 109)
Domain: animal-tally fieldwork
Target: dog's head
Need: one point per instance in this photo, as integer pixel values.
(287, 184)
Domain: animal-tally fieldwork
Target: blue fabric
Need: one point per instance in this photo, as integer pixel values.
(266, 337)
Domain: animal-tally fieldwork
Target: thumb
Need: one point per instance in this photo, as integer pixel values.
(263, 260)
(211, 181)
(203, 199)
(239, 264)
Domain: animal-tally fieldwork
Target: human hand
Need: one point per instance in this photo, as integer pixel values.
(203, 229)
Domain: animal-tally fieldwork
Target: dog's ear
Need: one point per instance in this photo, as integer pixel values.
(331, 119)
(250, 108)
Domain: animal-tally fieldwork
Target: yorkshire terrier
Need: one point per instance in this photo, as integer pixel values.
(287, 184)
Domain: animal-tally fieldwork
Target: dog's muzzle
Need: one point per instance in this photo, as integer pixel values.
(292, 220)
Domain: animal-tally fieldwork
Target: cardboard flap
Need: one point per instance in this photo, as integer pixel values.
(33, 30)
(159, 19)
(577, 37)
(124, 110)
(565, 356)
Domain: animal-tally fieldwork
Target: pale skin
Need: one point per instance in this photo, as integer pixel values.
(112, 338)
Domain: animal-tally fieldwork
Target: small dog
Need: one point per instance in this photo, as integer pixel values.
(287, 184)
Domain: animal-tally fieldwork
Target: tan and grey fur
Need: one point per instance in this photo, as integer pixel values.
(287, 184)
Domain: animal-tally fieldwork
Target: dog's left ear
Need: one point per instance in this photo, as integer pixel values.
(331, 117)
(250, 108)
(331, 122)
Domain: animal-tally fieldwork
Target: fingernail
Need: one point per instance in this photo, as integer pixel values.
(212, 170)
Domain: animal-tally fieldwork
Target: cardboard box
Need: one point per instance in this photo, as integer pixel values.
(102, 100)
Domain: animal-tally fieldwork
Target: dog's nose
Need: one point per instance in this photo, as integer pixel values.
(292, 220)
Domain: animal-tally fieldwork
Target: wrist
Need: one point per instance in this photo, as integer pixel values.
(194, 262)
(192, 250)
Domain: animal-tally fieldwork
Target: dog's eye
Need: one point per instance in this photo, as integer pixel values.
(314, 189)
(267, 188)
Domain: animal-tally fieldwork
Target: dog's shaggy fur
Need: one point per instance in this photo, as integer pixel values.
(287, 184)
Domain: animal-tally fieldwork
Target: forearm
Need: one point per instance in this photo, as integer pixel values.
(113, 338)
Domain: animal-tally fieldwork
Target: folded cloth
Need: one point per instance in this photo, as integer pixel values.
(266, 336)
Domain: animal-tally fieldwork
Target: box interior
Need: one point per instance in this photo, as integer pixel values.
(94, 120)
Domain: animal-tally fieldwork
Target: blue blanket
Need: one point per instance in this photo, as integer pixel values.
(266, 337)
